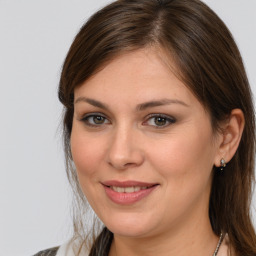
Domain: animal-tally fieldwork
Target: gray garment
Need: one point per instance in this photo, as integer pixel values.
(48, 252)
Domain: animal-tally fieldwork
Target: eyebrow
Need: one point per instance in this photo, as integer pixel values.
(157, 103)
(139, 107)
(92, 102)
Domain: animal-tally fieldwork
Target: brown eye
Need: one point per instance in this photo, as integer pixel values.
(95, 120)
(98, 119)
(160, 121)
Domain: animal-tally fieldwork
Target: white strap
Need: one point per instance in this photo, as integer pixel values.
(71, 248)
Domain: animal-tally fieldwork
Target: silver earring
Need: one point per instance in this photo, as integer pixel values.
(222, 164)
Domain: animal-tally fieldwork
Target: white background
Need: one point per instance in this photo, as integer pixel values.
(34, 39)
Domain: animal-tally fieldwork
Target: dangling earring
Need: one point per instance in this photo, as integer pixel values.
(222, 164)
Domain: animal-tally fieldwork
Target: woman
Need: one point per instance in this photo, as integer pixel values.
(159, 133)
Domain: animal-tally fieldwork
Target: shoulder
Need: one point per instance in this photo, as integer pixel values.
(73, 247)
(48, 252)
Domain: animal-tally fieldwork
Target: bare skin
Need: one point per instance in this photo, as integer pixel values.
(136, 121)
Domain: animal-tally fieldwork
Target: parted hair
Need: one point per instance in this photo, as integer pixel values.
(207, 60)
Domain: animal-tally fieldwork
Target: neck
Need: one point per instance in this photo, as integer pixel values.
(194, 237)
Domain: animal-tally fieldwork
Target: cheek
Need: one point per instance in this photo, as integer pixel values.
(86, 155)
(185, 161)
(87, 158)
(185, 165)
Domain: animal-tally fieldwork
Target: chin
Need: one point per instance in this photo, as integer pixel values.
(130, 226)
(128, 231)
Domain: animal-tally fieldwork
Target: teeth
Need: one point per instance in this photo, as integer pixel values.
(118, 189)
(137, 189)
(127, 189)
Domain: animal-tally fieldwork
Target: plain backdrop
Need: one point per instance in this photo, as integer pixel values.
(34, 39)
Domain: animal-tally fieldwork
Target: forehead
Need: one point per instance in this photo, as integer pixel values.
(140, 75)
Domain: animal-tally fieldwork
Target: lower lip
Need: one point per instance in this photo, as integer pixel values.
(128, 198)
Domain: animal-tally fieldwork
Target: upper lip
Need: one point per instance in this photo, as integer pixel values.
(127, 183)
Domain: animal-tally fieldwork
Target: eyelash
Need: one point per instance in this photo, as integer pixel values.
(168, 119)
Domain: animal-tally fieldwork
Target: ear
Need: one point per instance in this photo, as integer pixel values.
(230, 136)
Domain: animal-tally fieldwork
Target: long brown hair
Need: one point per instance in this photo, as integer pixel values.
(210, 65)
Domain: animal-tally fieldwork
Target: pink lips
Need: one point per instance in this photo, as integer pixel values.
(127, 192)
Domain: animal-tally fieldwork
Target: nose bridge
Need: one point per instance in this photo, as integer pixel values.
(124, 151)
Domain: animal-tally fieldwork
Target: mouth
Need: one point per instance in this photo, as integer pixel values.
(128, 189)
(128, 192)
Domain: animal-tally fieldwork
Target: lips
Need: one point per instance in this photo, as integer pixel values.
(128, 192)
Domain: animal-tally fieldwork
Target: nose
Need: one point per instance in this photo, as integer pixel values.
(124, 150)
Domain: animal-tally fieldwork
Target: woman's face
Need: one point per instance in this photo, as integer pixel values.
(143, 147)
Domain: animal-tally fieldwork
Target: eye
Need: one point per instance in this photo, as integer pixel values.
(95, 120)
(159, 120)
